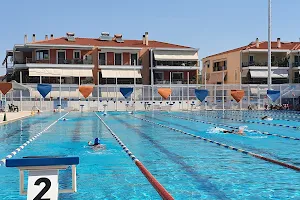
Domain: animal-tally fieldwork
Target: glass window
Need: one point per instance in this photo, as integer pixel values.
(76, 54)
(158, 75)
(177, 76)
(42, 55)
(133, 59)
(251, 59)
(272, 58)
(296, 59)
(102, 59)
(118, 59)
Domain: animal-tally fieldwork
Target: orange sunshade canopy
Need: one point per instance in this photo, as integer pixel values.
(164, 92)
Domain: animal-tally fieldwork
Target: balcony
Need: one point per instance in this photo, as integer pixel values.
(264, 64)
(75, 61)
(176, 63)
(118, 62)
(219, 68)
(175, 81)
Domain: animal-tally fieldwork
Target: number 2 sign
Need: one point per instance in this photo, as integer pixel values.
(42, 185)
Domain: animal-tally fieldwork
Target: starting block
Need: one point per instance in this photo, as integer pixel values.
(43, 175)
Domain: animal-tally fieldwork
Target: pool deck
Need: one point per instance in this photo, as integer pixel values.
(14, 116)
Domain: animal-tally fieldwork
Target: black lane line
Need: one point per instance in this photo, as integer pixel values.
(234, 142)
(76, 133)
(204, 182)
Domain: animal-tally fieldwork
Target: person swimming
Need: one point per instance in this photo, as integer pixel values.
(267, 118)
(96, 143)
(239, 132)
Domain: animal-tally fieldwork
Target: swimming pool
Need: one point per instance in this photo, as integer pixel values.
(188, 167)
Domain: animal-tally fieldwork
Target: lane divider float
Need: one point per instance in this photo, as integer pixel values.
(157, 186)
(232, 127)
(17, 150)
(225, 146)
(258, 115)
(253, 122)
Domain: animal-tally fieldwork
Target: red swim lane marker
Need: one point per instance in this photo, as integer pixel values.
(158, 187)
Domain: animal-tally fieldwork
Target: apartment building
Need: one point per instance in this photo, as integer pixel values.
(103, 60)
(249, 64)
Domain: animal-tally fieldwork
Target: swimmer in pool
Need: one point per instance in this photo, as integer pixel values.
(240, 132)
(96, 143)
(267, 118)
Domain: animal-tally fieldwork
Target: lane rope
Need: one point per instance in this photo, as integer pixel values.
(224, 145)
(282, 114)
(232, 127)
(255, 115)
(157, 186)
(17, 150)
(253, 122)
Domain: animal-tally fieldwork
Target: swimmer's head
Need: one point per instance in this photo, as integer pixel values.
(97, 141)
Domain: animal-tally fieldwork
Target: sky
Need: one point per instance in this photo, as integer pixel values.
(212, 26)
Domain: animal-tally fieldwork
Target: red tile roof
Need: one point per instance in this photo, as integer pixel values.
(97, 42)
(263, 45)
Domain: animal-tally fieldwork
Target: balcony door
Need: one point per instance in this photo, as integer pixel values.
(61, 57)
(177, 77)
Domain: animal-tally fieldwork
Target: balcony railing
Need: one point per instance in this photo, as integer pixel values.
(175, 81)
(275, 63)
(219, 68)
(59, 61)
(75, 61)
(176, 63)
(118, 62)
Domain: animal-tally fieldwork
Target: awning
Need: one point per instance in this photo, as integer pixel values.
(216, 77)
(106, 73)
(176, 55)
(276, 73)
(60, 72)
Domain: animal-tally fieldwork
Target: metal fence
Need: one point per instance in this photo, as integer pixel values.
(182, 97)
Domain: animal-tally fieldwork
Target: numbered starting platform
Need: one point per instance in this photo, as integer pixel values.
(43, 174)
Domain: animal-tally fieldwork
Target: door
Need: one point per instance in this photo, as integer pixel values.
(177, 77)
(61, 57)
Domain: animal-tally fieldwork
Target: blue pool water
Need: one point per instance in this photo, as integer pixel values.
(187, 167)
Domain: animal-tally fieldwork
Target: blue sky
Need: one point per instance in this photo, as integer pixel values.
(211, 25)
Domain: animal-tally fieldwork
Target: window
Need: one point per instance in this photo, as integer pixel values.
(76, 55)
(296, 77)
(42, 55)
(235, 75)
(297, 59)
(133, 59)
(158, 76)
(177, 76)
(102, 60)
(272, 58)
(251, 59)
(118, 59)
